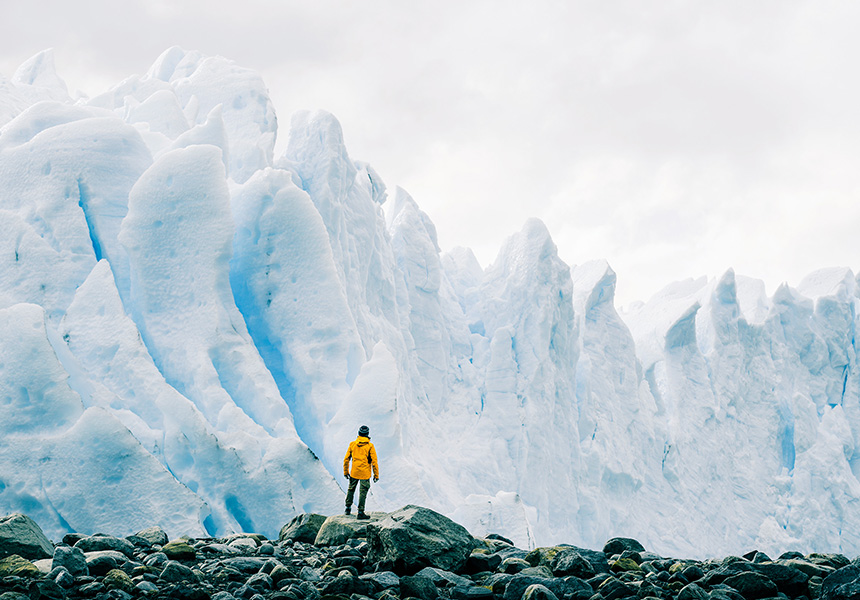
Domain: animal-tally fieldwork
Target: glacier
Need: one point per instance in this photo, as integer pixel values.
(192, 329)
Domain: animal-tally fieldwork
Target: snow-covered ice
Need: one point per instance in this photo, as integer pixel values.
(192, 330)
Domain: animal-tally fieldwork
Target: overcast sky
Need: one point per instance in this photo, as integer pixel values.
(674, 139)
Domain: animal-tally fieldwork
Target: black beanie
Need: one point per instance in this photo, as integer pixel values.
(364, 430)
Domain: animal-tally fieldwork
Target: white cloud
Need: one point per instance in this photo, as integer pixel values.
(674, 139)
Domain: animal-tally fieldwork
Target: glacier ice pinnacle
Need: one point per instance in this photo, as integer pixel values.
(191, 328)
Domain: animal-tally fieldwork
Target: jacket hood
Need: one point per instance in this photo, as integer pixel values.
(362, 439)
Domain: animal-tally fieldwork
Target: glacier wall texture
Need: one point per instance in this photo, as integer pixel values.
(192, 329)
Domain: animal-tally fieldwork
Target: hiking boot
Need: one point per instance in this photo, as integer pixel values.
(362, 516)
(348, 510)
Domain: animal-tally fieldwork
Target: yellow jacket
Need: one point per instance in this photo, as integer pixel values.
(363, 456)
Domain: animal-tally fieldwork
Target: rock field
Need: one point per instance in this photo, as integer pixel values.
(413, 552)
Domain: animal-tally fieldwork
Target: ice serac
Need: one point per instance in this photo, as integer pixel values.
(440, 337)
(348, 196)
(286, 284)
(179, 234)
(527, 314)
(38, 71)
(464, 273)
(238, 493)
(37, 398)
(619, 437)
(58, 460)
(65, 175)
(181, 90)
(349, 200)
(36, 80)
(820, 509)
(760, 409)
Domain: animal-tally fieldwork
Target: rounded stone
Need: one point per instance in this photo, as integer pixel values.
(179, 550)
(18, 566)
(414, 537)
(96, 543)
(147, 587)
(537, 591)
(302, 528)
(619, 545)
(153, 535)
(117, 579)
(156, 560)
(624, 564)
(175, 571)
(513, 565)
(72, 559)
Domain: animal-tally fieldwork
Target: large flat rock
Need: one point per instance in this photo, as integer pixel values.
(413, 537)
(337, 529)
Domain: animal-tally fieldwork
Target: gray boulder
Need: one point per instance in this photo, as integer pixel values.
(303, 528)
(382, 580)
(245, 564)
(518, 585)
(21, 535)
(570, 562)
(479, 562)
(175, 571)
(310, 574)
(102, 563)
(613, 589)
(72, 559)
(620, 544)
(148, 588)
(62, 578)
(752, 586)
(441, 578)
(596, 559)
(692, 591)
(153, 535)
(45, 590)
(791, 582)
(843, 584)
(413, 537)
(156, 559)
(470, 592)
(43, 564)
(418, 587)
(537, 591)
(97, 543)
(809, 568)
(338, 529)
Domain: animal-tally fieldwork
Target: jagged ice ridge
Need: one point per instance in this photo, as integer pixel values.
(191, 330)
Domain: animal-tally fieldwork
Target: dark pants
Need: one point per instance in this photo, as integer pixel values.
(362, 492)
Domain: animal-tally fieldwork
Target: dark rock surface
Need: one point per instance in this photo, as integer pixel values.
(339, 529)
(95, 543)
(21, 535)
(619, 545)
(842, 584)
(424, 556)
(303, 528)
(72, 559)
(415, 537)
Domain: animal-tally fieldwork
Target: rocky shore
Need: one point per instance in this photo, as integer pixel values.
(410, 553)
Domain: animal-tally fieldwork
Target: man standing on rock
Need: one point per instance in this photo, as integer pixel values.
(363, 456)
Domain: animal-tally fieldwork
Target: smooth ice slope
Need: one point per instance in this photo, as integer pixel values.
(192, 330)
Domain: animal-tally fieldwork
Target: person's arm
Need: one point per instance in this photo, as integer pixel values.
(346, 461)
(374, 463)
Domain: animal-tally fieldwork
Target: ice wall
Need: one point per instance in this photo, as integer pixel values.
(207, 325)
